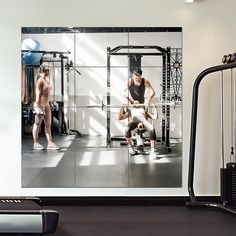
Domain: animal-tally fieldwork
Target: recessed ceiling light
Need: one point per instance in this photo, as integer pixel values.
(189, 1)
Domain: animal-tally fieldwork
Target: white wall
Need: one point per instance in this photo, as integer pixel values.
(208, 33)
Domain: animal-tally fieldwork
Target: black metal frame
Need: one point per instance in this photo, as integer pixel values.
(176, 74)
(193, 200)
(165, 53)
(59, 30)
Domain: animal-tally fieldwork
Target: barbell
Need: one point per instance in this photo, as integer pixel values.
(138, 105)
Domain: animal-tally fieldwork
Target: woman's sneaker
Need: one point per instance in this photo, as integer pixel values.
(153, 154)
(52, 146)
(38, 146)
(132, 151)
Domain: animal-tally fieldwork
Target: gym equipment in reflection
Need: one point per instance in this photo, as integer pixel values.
(55, 59)
(176, 74)
(139, 141)
(26, 215)
(228, 170)
(171, 68)
(85, 108)
(171, 95)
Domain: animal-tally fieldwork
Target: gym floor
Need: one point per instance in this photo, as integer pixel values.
(86, 162)
(141, 221)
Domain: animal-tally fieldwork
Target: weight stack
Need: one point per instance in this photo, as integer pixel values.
(228, 184)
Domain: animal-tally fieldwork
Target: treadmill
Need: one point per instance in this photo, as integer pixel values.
(26, 215)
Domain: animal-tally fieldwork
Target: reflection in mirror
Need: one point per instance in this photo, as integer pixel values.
(101, 107)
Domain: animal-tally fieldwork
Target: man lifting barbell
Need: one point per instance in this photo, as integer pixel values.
(137, 114)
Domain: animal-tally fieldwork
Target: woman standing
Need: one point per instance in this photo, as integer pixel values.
(42, 109)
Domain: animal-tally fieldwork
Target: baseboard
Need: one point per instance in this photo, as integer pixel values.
(123, 201)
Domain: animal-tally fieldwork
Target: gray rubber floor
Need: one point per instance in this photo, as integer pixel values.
(143, 221)
(86, 162)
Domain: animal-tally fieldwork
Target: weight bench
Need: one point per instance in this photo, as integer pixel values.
(139, 140)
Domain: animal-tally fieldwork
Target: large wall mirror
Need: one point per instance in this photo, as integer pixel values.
(89, 89)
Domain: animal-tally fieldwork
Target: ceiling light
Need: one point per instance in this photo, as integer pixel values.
(189, 1)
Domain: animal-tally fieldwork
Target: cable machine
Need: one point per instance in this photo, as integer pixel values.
(166, 72)
(228, 171)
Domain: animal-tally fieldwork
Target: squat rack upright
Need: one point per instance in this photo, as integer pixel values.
(166, 69)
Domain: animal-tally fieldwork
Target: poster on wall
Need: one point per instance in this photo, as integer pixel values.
(101, 107)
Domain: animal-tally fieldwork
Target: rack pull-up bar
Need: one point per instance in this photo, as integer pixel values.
(118, 48)
(141, 54)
